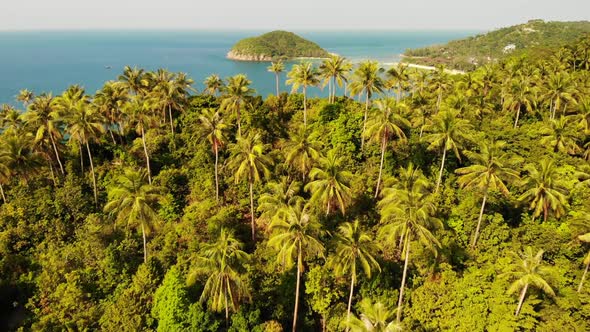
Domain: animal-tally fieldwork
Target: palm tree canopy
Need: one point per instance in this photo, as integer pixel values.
(303, 75)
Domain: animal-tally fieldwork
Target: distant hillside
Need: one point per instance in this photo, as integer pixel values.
(533, 36)
(275, 44)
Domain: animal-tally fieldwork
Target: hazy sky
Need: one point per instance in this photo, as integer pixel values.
(292, 14)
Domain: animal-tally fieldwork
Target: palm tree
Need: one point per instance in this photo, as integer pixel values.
(557, 134)
(141, 116)
(440, 83)
(366, 79)
(334, 70)
(331, 183)
(354, 248)
(42, 116)
(214, 128)
(25, 96)
(296, 237)
(529, 271)
(490, 168)
(408, 215)
(249, 160)
(375, 317)
(545, 190)
(109, 101)
(399, 76)
(84, 124)
(277, 68)
(517, 94)
(385, 124)
(237, 91)
(583, 114)
(303, 75)
(560, 88)
(134, 80)
(301, 151)
(279, 195)
(19, 157)
(213, 84)
(582, 224)
(171, 94)
(223, 261)
(132, 200)
(447, 132)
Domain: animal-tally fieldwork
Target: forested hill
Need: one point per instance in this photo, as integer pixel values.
(275, 45)
(535, 36)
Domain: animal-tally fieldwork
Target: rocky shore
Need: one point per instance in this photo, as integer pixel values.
(232, 55)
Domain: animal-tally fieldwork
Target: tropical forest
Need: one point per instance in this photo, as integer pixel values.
(405, 200)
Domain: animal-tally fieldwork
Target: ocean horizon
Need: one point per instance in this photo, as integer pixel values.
(50, 61)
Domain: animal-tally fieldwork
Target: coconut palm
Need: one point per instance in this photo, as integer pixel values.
(213, 84)
(559, 135)
(398, 77)
(440, 83)
(331, 182)
(583, 114)
(489, 170)
(249, 161)
(545, 189)
(18, 156)
(41, 117)
(214, 128)
(109, 100)
(171, 95)
(518, 94)
(133, 201)
(134, 80)
(25, 96)
(277, 197)
(237, 92)
(277, 68)
(528, 270)
(582, 225)
(354, 249)
(374, 317)
(366, 79)
(408, 215)
(447, 132)
(223, 262)
(296, 237)
(303, 75)
(302, 151)
(560, 88)
(385, 124)
(334, 70)
(141, 117)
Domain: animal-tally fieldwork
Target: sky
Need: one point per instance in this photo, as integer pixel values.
(280, 14)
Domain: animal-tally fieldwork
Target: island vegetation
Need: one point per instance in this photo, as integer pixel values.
(275, 45)
(437, 202)
(536, 37)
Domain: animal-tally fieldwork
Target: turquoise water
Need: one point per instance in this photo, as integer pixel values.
(50, 61)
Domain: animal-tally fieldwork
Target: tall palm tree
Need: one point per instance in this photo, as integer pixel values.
(583, 114)
(385, 124)
(559, 135)
(133, 201)
(170, 95)
(134, 80)
(582, 225)
(399, 77)
(277, 68)
(42, 117)
(237, 91)
(19, 157)
(302, 151)
(490, 168)
(141, 117)
(25, 96)
(528, 271)
(374, 317)
(408, 215)
(84, 124)
(214, 128)
(440, 83)
(518, 94)
(560, 88)
(354, 248)
(296, 237)
(331, 182)
(447, 132)
(249, 160)
(334, 70)
(545, 190)
(223, 262)
(109, 100)
(277, 197)
(303, 75)
(213, 84)
(367, 79)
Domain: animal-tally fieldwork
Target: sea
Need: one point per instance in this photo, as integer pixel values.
(50, 61)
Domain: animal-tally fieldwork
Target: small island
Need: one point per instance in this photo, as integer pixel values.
(275, 45)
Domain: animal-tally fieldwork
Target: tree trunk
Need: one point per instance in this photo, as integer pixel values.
(350, 300)
(61, 167)
(52, 173)
(277, 83)
(483, 205)
(517, 116)
(521, 300)
(579, 287)
(239, 123)
(304, 106)
(144, 243)
(442, 166)
(147, 156)
(226, 309)
(112, 135)
(93, 176)
(405, 273)
(399, 92)
(171, 121)
(299, 263)
(81, 158)
(365, 121)
(328, 209)
(252, 211)
(216, 175)
(383, 144)
(2, 192)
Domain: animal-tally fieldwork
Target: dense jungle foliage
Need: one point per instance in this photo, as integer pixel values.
(434, 202)
(279, 44)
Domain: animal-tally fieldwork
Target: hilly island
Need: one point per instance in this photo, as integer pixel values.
(275, 45)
